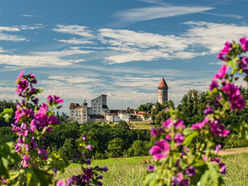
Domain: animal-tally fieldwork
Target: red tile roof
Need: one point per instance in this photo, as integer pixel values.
(162, 84)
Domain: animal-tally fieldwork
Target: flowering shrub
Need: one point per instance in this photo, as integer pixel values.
(33, 165)
(179, 158)
(89, 174)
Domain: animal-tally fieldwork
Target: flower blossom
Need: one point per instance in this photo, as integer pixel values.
(21, 75)
(89, 147)
(243, 64)
(151, 168)
(214, 84)
(156, 132)
(190, 171)
(179, 124)
(235, 98)
(87, 175)
(244, 43)
(25, 160)
(160, 149)
(217, 148)
(222, 72)
(221, 165)
(224, 51)
(180, 180)
(200, 125)
(179, 139)
(54, 99)
(218, 129)
(208, 110)
(167, 123)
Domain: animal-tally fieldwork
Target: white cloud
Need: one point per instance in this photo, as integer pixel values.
(141, 39)
(74, 30)
(27, 15)
(43, 59)
(202, 38)
(8, 93)
(76, 41)
(155, 12)
(213, 35)
(74, 79)
(6, 36)
(217, 63)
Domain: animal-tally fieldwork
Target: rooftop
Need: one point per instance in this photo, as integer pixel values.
(162, 84)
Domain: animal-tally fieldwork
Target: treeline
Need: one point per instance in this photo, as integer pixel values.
(192, 106)
(108, 141)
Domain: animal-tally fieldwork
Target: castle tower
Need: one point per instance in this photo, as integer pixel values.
(162, 92)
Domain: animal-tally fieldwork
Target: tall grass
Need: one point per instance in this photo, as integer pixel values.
(131, 171)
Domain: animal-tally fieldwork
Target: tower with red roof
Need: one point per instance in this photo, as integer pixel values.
(162, 92)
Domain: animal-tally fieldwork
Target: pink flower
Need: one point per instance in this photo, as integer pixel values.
(222, 72)
(217, 148)
(243, 64)
(168, 137)
(167, 123)
(54, 100)
(234, 95)
(33, 125)
(179, 180)
(179, 139)
(84, 138)
(22, 86)
(218, 130)
(179, 124)
(154, 132)
(190, 171)
(33, 145)
(43, 152)
(53, 120)
(214, 84)
(208, 110)
(89, 147)
(25, 160)
(60, 183)
(244, 43)
(160, 150)
(151, 168)
(200, 125)
(224, 51)
(21, 75)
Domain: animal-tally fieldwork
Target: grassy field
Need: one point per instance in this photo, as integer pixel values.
(131, 171)
(141, 125)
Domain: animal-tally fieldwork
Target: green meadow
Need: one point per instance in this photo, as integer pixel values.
(131, 171)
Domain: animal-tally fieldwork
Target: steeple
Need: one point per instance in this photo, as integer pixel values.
(162, 92)
(162, 84)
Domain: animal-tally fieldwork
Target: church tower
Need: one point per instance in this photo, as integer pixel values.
(162, 92)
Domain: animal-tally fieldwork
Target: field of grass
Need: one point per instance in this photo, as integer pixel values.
(131, 171)
(141, 125)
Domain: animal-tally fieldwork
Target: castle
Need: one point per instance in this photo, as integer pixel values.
(99, 110)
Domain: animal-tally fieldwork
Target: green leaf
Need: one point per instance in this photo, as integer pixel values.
(6, 114)
(37, 176)
(190, 137)
(150, 179)
(211, 176)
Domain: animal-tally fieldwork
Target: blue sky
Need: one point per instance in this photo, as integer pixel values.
(79, 49)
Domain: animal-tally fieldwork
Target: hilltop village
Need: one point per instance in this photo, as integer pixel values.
(99, 110)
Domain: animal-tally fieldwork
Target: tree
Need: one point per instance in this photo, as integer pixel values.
(115, 147)
(139, 148)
